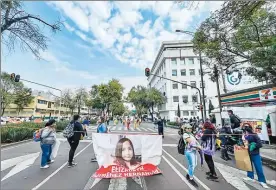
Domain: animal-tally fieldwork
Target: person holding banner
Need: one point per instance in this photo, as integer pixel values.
(124, 154)
(100, 129)
(253, 143)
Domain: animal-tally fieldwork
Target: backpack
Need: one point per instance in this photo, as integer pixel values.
(237, 121)
(37, 135)
(69, 130)
(181, 146)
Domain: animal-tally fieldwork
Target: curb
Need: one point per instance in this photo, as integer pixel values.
(16, 143)
(266, 159)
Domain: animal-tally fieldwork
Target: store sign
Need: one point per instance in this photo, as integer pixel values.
(266, 94)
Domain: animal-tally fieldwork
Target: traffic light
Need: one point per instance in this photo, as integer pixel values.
(12, 76)
(147, 72)
(17, 78)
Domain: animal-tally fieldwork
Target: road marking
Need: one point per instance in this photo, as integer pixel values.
(120, 128)
(144, 129)
(138, 129)
(125, 129)
(4, 149)
(170, 145)
(152, 130)
(55, 172)
(179, 174)
(131, 129)
(200, 182)
(118, 184)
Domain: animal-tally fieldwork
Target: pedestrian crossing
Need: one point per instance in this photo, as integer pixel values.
(132, 129)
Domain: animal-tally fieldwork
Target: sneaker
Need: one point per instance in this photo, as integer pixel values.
(248, 179)
(94, 160)
(208, 173)
(70, 165)
(264, 185)
(45, 167)
(212, 177)
(51, 161)
(192, 181)
(188, 177)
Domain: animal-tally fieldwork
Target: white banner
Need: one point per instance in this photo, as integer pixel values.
(128, 155)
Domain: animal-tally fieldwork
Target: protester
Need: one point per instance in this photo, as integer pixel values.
(75, 139)
(208, 143)
(100, 129)
(128, 123)
(85, 123)
(253, 143)
(235, 121)
(48, 138)
(190, 151)
(223, 133)
(160, 124)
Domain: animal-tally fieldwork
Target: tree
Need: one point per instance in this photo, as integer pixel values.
(23, 97)
(20, 26)
(80, 98)
(211, 107)
(69, 100)
(117, 108)
(8, 88)
(111, 92)
(240, 32)
(154, 98)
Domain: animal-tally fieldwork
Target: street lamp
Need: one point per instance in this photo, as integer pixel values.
(201, 71)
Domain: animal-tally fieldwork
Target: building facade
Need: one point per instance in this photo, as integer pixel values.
(177, 61)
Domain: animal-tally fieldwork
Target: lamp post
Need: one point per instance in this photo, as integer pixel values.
(201, 72)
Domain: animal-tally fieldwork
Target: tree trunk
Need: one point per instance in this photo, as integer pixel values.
(152, 112)
(79, 110)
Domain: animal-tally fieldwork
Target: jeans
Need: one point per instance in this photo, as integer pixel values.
(256, 160)
(192, 162)
(210, 163)
(46, 153)
(74, 145)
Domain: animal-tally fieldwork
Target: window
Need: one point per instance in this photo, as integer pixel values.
(194, 98)
(185, 113)
(185, 99)
(192, 72)
(193, 113)
(182, 61)
(174, 72)
(183, 85)
(41, 101)
(183, 72)
(190, 61)
(49, 104)
(173, 60)
(193, 83)
(203, 84)
(175, 98)
(175, 86)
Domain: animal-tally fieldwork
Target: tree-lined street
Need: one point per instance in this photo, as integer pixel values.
(173, 167)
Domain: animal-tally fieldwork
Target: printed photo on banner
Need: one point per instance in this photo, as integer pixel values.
(121, 156)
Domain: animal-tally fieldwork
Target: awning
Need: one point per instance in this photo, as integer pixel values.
(252, 97)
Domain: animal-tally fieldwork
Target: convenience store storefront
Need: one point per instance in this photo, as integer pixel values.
(254, 105)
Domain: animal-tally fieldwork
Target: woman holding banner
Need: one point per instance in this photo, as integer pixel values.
(125, 155)
(253, 143)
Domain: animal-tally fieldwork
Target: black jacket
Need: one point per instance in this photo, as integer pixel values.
(78, 131)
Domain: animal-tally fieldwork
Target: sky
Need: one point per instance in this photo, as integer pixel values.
(101, 40)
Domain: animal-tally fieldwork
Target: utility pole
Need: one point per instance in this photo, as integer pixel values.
(202, 85)
(216, 75)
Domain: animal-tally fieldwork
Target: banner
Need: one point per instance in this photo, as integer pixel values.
(131, 155)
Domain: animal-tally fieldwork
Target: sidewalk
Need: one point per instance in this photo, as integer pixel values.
(269, 153)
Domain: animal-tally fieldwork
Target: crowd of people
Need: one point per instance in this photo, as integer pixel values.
(206, 146)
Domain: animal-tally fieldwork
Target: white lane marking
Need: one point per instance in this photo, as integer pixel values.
(170, 145)
(55, 172)
(131, 129)
(152, 130)
(97, 180)
(111, 128)
(120, 128)
(179, 174)
(138, 129)
(144, 129)
(27, 162)
(4, 149)
(125, 129)
(200, 182)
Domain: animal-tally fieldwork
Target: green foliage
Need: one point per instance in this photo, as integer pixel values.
(23, 98)
(18, 132)
(240, 32)
(118, 108)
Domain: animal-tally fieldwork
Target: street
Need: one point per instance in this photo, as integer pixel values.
(22, 170)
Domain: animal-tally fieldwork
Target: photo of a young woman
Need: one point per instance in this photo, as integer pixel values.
(124, 154)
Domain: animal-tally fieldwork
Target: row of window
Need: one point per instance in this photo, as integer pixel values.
(183, 61)
(192, 83)
(185, 98)
(186, 113)
(184, 73)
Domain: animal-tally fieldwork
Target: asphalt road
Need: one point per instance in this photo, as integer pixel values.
(29, 176)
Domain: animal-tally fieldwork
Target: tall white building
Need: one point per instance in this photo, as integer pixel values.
(176, 60)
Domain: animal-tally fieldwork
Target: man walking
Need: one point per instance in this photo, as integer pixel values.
(75, 139)
(160, 124)
(100, 129)
(235, 121)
